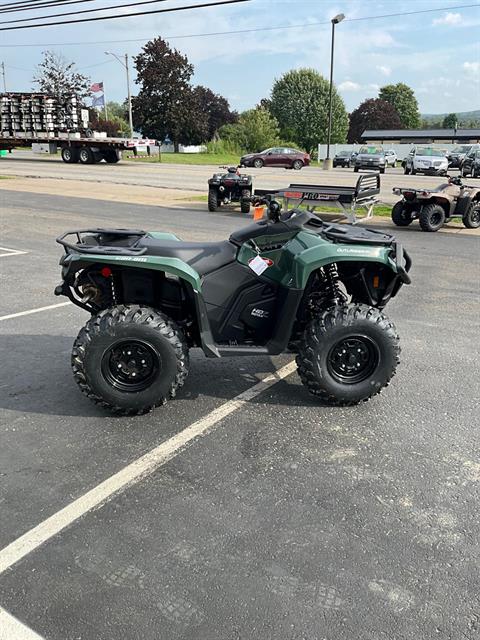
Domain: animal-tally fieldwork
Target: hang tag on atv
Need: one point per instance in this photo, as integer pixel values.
(258, 265)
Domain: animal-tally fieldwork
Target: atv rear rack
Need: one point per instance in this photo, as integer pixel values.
(348, 199)
(86, 243)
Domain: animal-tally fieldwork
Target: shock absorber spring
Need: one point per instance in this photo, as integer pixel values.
(331, 283)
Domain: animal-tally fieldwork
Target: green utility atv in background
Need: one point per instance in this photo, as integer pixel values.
(288, 283)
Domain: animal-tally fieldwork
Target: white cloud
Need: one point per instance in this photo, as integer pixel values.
(384, 69)
(348, 85)
(449, 19)
(472, 67)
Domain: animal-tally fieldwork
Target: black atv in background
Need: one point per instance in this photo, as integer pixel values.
(233, 186)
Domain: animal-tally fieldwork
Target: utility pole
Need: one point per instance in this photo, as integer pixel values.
(125, 64)
(4, 79)
(130, 118)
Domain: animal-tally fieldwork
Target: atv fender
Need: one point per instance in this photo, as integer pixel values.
(447, 206)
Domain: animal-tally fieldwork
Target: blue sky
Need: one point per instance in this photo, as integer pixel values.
(438, 53)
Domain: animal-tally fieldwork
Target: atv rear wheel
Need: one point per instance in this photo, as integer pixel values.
(130, 359)
(348, 354)
(400, 216)
(471, 218)
(213, 203)
(432, 217)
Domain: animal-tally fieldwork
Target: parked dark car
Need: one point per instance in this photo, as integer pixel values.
(471, 164)
(457, 155)
(276, 157)
(344, 159)
(371, 157)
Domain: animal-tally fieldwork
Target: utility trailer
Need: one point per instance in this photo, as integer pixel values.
(53, 124)
(347, 199)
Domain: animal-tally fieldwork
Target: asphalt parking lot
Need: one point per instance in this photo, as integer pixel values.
(283, 519)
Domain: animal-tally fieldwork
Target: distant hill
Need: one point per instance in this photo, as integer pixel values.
(463, 116)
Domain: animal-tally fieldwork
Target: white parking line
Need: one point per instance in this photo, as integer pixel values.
(30, 311)
(5, 252)
(13, 629)
(131, 474)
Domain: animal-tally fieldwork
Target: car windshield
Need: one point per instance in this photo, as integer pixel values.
(343, 153)
(463, 149)
(371, 150)
(428, 151)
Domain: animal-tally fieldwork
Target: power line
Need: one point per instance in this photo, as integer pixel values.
(73, 13)
(124, 15)
(41, 4)
(238, 31)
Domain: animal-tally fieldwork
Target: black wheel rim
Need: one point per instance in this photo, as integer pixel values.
(131, 365)
(436, 219)
(353, 359)
(475, 216)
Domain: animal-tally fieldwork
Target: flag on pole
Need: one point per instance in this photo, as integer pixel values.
(96, 87)
(98, 101)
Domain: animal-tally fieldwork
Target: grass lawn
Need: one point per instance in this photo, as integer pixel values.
(380, 210)
(190, 158)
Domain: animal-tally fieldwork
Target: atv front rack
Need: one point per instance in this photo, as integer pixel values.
(347, 199)
(124, 241)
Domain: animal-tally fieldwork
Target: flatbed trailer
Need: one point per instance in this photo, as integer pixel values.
(347, 199)
(51, 123)
(86, 150)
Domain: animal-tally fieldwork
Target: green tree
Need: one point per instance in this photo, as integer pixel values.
(372, 114)
(255, 130)
(402, 97)
(168, 106)
(118, 110)
(450, 121)
(213, 110)
(162, 105)
(58, 77)
(299, 101)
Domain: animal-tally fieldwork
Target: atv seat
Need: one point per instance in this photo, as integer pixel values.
(204, 257)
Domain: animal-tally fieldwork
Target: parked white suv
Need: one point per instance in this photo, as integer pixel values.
(426, 160)
(390, 157)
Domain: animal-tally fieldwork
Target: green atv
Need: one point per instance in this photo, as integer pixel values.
(287, 283)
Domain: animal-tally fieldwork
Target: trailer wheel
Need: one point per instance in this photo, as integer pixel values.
(69, 154)
(112, 155)
(86, 156)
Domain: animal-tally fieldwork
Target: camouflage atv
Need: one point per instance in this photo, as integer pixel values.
(434, 207)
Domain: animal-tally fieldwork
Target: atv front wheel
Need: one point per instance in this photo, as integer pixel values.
(471, 218)
(130, 359)
(348, 354)
(400, 215)
(212, 200)
(432, 217)
(244, 206)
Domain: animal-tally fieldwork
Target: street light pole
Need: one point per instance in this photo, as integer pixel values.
(130, 118)
(327, 164)
(125, 64)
